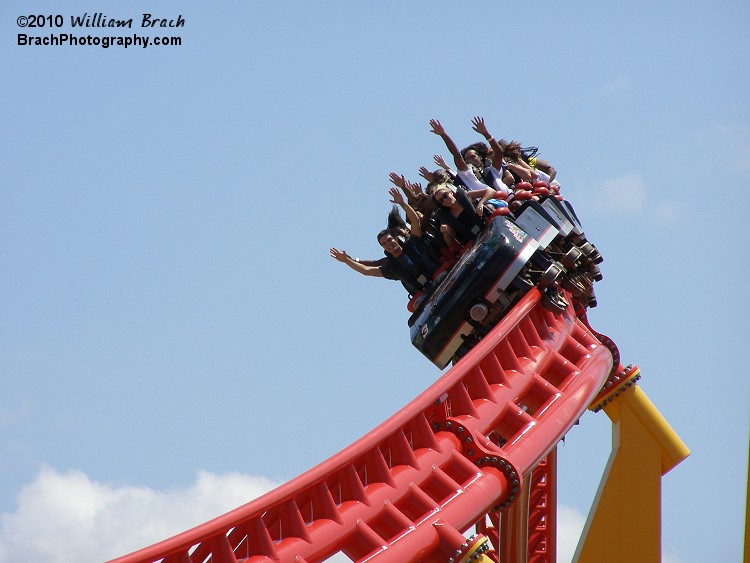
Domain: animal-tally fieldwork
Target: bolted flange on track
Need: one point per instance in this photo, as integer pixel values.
(617, 383)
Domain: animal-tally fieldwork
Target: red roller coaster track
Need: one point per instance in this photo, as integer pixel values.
(461, 454)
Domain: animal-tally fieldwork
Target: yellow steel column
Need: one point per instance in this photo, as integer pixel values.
(624, 524)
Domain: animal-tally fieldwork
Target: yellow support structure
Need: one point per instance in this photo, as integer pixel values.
(475, 551)
(624, 525)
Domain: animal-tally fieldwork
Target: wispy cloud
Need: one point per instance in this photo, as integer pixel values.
(615, 86)
(668, 212)
(68, 517)
(9, 417)
(628, 195)
(614, 196)
(729, 145)
(622, 195)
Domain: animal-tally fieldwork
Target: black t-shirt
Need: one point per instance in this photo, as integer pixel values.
(467, 224)
(413, 267)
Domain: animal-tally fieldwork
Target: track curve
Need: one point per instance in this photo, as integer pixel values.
(407, 490)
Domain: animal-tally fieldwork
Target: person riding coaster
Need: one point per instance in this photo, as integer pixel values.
(409, 261)
(465, 263)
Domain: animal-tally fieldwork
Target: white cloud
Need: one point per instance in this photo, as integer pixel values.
(625, 194)
(67, 517)
(628, 195)
(615, 86)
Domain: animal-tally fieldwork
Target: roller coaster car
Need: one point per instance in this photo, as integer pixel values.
(494, 273)
(555, 225)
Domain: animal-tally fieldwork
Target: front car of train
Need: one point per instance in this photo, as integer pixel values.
(541, 244)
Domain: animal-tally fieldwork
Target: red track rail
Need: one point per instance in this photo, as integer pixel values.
(408, 489)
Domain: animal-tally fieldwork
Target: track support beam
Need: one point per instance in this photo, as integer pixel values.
(624, 524)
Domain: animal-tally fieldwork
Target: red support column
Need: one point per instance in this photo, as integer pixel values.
(543, 511)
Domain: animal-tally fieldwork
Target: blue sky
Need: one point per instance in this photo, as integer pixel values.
(170, 320)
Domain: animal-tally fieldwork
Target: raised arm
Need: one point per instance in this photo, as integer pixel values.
(523, 172)
(516, 163)
(440, 161)
(404, 184)
(414, 222)
(378, 262)
(438, 129)
(344, 258)
(416, 189)
(547, 168)
(426, 174)
(484, 196)
(497, 150)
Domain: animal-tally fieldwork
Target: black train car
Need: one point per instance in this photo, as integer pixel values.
(541, 245)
